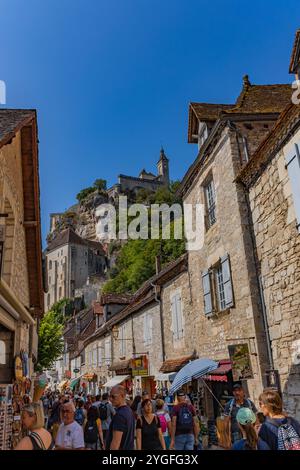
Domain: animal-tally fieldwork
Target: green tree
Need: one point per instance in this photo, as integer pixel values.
(136, 262)
(51, 344)
(84, 193)
(100, 184)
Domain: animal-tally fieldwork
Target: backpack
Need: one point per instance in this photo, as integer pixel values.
(163, 422)
(103, 413)
(79, 416)
(288, 438)
(185, 417)
(91, 432)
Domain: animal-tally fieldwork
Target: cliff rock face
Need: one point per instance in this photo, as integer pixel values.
(81, 217)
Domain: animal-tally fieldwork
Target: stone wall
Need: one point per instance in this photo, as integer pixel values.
(211, 336)
(11, 199)
(278, 251)
(15, 271)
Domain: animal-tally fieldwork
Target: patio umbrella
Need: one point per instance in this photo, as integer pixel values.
(193, 370)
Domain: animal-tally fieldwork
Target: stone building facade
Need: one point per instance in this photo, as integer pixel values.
(272, 182)
(70, 261)
(220, 297)
(21, 286)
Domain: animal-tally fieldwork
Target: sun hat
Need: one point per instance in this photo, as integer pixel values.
(245, 416)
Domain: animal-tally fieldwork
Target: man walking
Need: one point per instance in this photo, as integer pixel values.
(232, 408)
(185, 425)
(120, 435)
(106, 412)
(70, 433)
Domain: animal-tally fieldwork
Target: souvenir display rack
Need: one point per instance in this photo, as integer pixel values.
(6, 417)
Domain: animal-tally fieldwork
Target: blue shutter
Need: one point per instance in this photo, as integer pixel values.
(207, 293)
(293, 166)
(227, 282)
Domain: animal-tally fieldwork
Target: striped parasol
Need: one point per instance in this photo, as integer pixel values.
(193, 370)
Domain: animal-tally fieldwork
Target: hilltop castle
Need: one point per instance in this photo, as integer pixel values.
(145, 180)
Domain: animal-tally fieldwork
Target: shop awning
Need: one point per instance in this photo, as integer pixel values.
(63, 384)
(74, 382)
(165, 377)
(121, 365)
(116, 380)
(174, 365)
(89, 377)
(220, 374)
(193, 370)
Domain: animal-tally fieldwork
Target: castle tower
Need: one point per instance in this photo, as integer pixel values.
(163, 168)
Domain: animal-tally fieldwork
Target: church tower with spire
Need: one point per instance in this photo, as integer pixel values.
(163, 168)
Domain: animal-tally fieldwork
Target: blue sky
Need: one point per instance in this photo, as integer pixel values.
(111, 79)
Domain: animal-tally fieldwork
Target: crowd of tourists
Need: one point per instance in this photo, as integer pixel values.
(114, 422)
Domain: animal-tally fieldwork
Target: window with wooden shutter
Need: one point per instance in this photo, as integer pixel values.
(293, 167)
(227, 282)
(177, 320)
(174, 319)
(207, 293)
(148, 328)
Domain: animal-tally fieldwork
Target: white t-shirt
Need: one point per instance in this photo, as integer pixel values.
(70, 436)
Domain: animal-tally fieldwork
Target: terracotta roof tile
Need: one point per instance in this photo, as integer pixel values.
(69, 236)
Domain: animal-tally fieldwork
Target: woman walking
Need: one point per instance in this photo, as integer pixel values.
(165, 421)
(93, 430)
(148, 429)
(246, 420)
(33, 420)
(280, 431)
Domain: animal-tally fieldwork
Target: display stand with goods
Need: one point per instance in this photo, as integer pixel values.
(6, 417)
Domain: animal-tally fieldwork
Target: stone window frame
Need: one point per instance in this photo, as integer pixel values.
(209, 201)
(216, 301)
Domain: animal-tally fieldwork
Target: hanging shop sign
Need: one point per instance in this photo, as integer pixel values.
(241, 362)
(18, 368)
(140, 366)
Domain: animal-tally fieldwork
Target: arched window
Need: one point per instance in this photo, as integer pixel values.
(2, 352)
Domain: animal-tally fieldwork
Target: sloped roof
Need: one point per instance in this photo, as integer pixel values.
(12, 120)
(253, 99)
(115, 299)
(262, 99)
(295, 57)
(68, 236)
(209, 111)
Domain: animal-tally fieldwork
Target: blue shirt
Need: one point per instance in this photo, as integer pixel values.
(122, 421)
